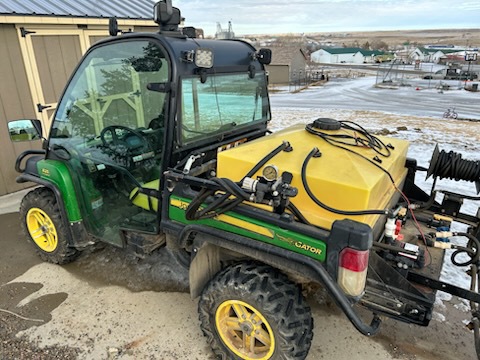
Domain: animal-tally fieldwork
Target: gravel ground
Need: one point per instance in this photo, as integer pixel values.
(16, 258)
(20, 348)
(23, 306)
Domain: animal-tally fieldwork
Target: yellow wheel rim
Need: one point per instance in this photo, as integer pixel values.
(42, 230)
(244, 330)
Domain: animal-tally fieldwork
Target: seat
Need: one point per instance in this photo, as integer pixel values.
(143, 200)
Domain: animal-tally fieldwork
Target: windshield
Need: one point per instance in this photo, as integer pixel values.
(110, 88)
(222, 103)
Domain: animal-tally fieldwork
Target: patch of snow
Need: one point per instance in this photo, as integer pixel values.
(438, 317)
(443, 296)
(462, 307)
(439, 305)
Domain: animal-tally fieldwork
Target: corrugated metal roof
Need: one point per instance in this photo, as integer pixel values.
(130, 9)
(342, 50)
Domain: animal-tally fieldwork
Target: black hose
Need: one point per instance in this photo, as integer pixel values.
(229, 186)
(472, 250)
(361, 138)
(297, 213)
(267, 158)
(326, 207)
(372, 141)
(225, 202)
(219, 205)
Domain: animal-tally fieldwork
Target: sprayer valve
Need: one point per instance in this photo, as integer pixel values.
(249, 184)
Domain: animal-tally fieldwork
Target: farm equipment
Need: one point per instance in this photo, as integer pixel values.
(161, 139)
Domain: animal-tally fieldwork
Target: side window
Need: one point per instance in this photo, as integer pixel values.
(110, 88)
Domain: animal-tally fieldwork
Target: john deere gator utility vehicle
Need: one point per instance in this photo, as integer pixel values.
(161, 139)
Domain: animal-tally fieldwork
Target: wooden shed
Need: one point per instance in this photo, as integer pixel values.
(40, 44)
(288, 65)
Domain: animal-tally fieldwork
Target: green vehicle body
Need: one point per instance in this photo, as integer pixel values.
(57, 173)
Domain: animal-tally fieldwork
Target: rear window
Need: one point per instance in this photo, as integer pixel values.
(221, 104)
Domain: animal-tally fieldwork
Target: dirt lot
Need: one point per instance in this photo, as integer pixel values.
(110, 306)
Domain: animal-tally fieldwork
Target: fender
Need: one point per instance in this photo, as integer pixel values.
(271, 255)
(57, 173)
(55, 176)
(78, 236)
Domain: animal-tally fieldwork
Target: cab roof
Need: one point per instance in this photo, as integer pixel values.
(228, 55)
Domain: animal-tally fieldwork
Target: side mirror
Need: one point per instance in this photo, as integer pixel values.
(264, 56)
(25, 130)
(113, 26)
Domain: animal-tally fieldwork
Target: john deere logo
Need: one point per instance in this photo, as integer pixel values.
(300, 245)
(45, 171)
(286, 239)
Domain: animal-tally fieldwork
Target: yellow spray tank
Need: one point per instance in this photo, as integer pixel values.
(342, 179)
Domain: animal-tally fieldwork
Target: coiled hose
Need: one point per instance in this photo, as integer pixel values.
(451, 166)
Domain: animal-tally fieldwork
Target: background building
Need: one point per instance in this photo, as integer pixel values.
(348, 55)
(288, 65)
(41, 42)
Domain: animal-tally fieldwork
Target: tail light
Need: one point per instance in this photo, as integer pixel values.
(352, 271)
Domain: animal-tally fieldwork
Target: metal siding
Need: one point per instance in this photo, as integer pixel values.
(15, 103)
(56, 56)
(96, 38)
(133, 9)
(298, 64)
(278, 74)
(153, 29)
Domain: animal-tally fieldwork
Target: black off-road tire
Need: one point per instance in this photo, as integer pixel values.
(43, 200)
(276, 299)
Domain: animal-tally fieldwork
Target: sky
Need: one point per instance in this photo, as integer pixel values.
(303, 16)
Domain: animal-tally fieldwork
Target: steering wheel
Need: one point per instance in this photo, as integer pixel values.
(128, 145)
(142, 145)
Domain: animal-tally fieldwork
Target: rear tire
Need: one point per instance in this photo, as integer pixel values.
(44, 226)
(251, 311)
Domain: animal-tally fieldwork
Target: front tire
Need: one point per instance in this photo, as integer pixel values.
(44, 226)
(251, 311)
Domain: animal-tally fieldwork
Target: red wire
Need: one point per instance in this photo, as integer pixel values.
(415, 221)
